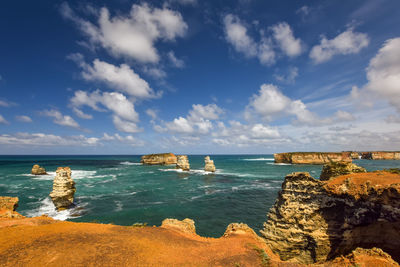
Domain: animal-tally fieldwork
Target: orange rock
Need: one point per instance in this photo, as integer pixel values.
(159, 159)
(312, 157)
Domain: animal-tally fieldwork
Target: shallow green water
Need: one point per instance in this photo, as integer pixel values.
(117, 189)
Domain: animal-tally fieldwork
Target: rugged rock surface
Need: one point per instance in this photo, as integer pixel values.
(185, 226)
(365, 257)
(209, 164)
(355, 155)
(63, 189)
(311, 157)
(381, 155)
(8, 207)
(37, 170)
(315, 221)
(159, 159)
(183, 162)
(334, 169)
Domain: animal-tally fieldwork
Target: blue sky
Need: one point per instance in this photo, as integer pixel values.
(199, 77)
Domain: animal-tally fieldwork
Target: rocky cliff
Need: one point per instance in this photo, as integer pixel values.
(183, 162)
(333, 169)
(63, 189)
(311, 157)
(209, 164)
(159, 159)
(37, 170)
(381, 155)
(8, 207)
(314, 221)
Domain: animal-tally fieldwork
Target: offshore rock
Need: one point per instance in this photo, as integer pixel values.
(8, 207)
(381, 155)
(185, 226)
(355, 155)
(182, 162)
(312, 157)
(63, 189)
(37, 170)
(315, 221)
(159, 159)
(334, 169)
(209, 164)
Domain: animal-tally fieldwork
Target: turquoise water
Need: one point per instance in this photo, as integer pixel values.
(119, 190)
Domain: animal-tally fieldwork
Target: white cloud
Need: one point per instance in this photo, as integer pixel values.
(2, 120)
(129, 139)
(121, 78)
(155, 72)
(347, 42)
(304, 10)
(180, 125)
(41, 139)
(64, 120)
(210, 111)
(134, 35)
(283, 35)
(291, 76)
(152, 113)
(81, 114)
(6, 103)
(23, 118)
(125, 126)
(179, 63)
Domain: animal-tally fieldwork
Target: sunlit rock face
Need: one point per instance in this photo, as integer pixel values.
(209, 164)
(312, 157)
(334, 169)
(182, 162)
(8, 207)
(381, 155)
(63, 189)
(37, 170)
(159, 159)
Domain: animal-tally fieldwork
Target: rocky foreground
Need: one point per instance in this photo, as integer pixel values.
(347, 220)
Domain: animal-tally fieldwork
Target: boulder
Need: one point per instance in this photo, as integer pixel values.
(334, 169)
(63, 189)
(209, 164)
(8, 207)
(159, 159)
(185, 226)
(37, 170)
(182, 162)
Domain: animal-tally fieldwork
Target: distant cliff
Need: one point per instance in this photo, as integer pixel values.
(159, 159)
(381, 155)
(311, 157)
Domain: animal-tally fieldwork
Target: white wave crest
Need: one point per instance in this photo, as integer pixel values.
(47, 207)
(130, 163)
(260, 159)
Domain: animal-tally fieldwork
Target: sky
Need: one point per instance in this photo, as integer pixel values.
(199, 77)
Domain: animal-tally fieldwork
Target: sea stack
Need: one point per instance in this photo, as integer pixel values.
(182, 162)
(37, 170)
(159, 159)
(209, 164)
(63, 189)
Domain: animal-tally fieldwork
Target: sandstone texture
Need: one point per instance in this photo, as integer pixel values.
(313, 221)
(8, 207)
(185, 226)
(209, 164)
(37, 170)
(312, 157)
(355, 155)
(334, 169)
(159, 159)
(63, 189)
(381, 155)
(373, 257)
(182, 162)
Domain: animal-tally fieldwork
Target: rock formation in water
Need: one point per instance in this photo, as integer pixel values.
(183, 162)
(209, 164)
(315, 221)
(381, 155)
(185, 226)
(355, 155)
(8, 207)
(37, 170)
(334, 169)
(159, 159)
(311, 157)
(63, 189)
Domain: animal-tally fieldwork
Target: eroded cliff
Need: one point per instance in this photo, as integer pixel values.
(159, 159)
(381, 155)
(312, 157)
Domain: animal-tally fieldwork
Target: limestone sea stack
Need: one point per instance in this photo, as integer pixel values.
(159, 159)
(8, 207)
(381, 155)
(182, 162)
(209, 164)
(37, 170)
(312, 157)
(63, 189)
(334, 169)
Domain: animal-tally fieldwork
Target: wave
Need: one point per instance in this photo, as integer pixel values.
(260, 159)
(130, 163)
(201, 172)
(47, 207)
(281, 164)
(75, 175)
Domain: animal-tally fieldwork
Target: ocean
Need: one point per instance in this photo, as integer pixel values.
(119, 190)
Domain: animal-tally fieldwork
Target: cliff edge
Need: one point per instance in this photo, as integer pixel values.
(159, 159)
(312, 157)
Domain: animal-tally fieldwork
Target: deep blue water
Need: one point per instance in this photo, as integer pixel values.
(119, 190)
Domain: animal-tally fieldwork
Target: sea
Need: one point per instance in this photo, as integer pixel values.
(121, 191)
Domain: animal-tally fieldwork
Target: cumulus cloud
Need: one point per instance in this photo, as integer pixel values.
(291, 76)
(178, 63)
(60, 119)
(283, 35)
(133, 35)
(348, 42)
(23, 118)
(129, 139)
(2, 120)
(152, 113)
(41, 139)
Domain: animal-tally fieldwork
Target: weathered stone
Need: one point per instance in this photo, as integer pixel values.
(63, 189)
(381, 155)
(159, 159)
(238, 229)
(209, 164)
(37, 170)
(183, 162)
(8, 207)
(355, 155)
(334, 169)
(311, 157)
(185, 226)
(315, 221)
